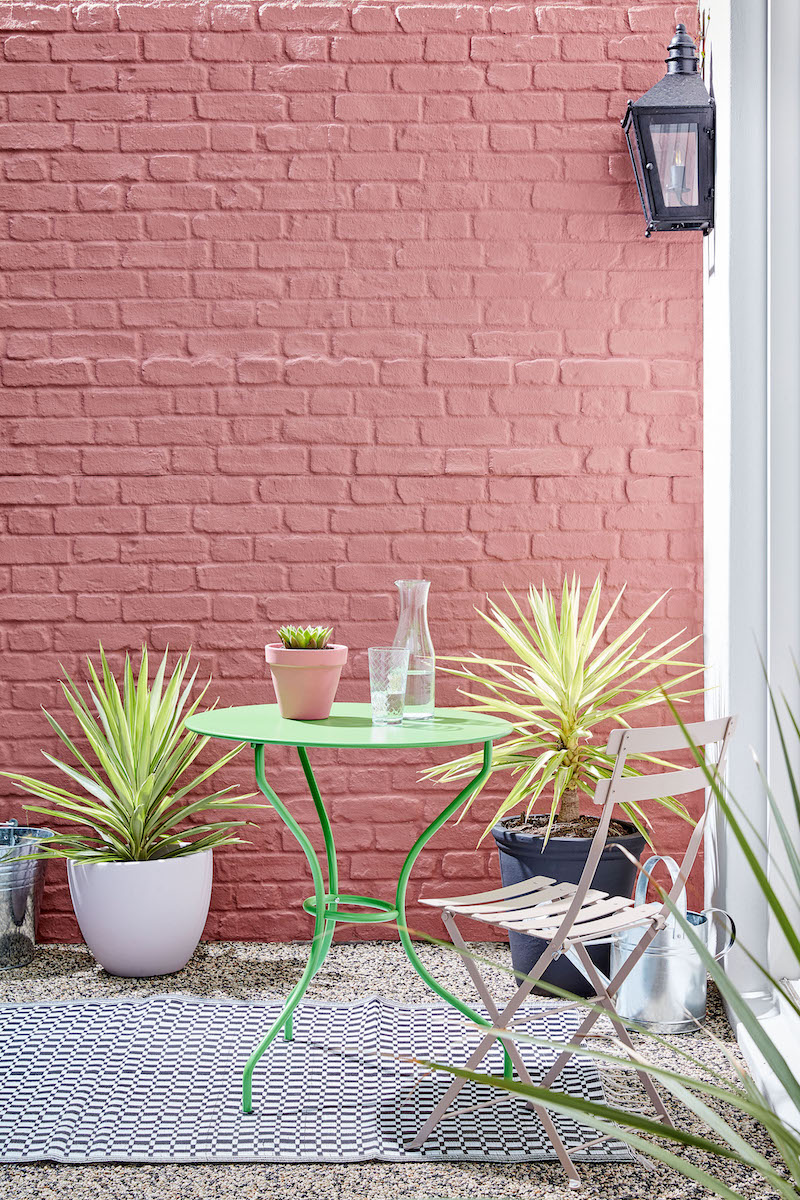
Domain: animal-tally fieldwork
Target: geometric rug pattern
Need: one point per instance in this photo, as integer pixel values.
(158, 1080)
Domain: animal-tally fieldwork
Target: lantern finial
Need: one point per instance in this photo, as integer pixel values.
(682, 53)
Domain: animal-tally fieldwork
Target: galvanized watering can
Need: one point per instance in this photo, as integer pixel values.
(21, 884)
(666, 990)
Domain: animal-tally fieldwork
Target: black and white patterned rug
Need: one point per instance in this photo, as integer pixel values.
(158, 1080)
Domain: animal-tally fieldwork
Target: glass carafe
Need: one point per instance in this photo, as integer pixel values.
(413, 633)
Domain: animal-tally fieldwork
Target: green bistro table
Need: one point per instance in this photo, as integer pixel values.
(348, 727)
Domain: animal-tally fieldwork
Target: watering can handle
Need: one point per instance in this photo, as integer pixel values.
(707, 912)
(640, 895)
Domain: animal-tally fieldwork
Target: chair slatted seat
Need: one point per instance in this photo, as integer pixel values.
(551, 900)
(503, 893)
(594, 924)
(610, 906)
(560, 894)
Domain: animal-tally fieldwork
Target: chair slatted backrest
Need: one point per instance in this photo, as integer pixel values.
(659, 739)
(678, 781)
(659, 784)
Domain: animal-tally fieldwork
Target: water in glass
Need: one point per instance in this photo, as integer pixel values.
(387, 683)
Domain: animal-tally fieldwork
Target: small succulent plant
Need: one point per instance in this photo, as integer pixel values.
(310, 637)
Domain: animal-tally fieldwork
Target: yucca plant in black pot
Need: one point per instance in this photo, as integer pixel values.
(563, 692)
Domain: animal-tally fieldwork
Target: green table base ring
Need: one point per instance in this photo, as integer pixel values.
(377, 910)
(349, 726)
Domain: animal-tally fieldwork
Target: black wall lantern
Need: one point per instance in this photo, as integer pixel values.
(670, 135)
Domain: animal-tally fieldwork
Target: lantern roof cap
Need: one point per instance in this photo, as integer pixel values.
(682, 86)
(681, 53)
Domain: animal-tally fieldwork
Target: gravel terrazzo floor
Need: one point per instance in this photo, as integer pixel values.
(253, 970)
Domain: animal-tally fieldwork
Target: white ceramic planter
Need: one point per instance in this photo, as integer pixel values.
(142, 918)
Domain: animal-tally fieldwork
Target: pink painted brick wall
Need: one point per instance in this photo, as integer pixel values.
(300, 298)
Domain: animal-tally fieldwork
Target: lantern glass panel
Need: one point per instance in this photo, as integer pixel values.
(675, 148)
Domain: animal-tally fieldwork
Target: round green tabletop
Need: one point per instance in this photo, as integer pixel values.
(348, 726)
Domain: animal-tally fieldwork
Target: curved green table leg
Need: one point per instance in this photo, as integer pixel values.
(321, 936)
(330, 850)
(400, 904)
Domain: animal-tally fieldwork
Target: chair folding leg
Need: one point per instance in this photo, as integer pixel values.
(514, 1053)
(479, 1054)
(567, 1053)
(482, 1049)
(590, 1019)
(605, 997)
(447, 1099)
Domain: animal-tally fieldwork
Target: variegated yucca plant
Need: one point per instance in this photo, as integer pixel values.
(133, 801)
(561, 693)
(309, 637)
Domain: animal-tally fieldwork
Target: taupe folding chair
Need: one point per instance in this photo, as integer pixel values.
(571, 916)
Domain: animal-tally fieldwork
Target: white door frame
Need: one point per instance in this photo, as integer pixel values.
(752, 437)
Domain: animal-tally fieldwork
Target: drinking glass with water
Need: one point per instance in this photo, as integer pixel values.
(388, 671)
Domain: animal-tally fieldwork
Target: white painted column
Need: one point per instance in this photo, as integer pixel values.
(735, 445)
(752, 436)
(783, 401)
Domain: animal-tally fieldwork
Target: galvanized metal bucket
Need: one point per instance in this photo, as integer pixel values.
(666, 990)
(21, 885)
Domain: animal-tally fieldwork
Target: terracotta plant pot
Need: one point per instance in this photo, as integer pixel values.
(305, 681)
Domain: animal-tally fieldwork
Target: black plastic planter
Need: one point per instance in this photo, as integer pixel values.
(563, 859)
